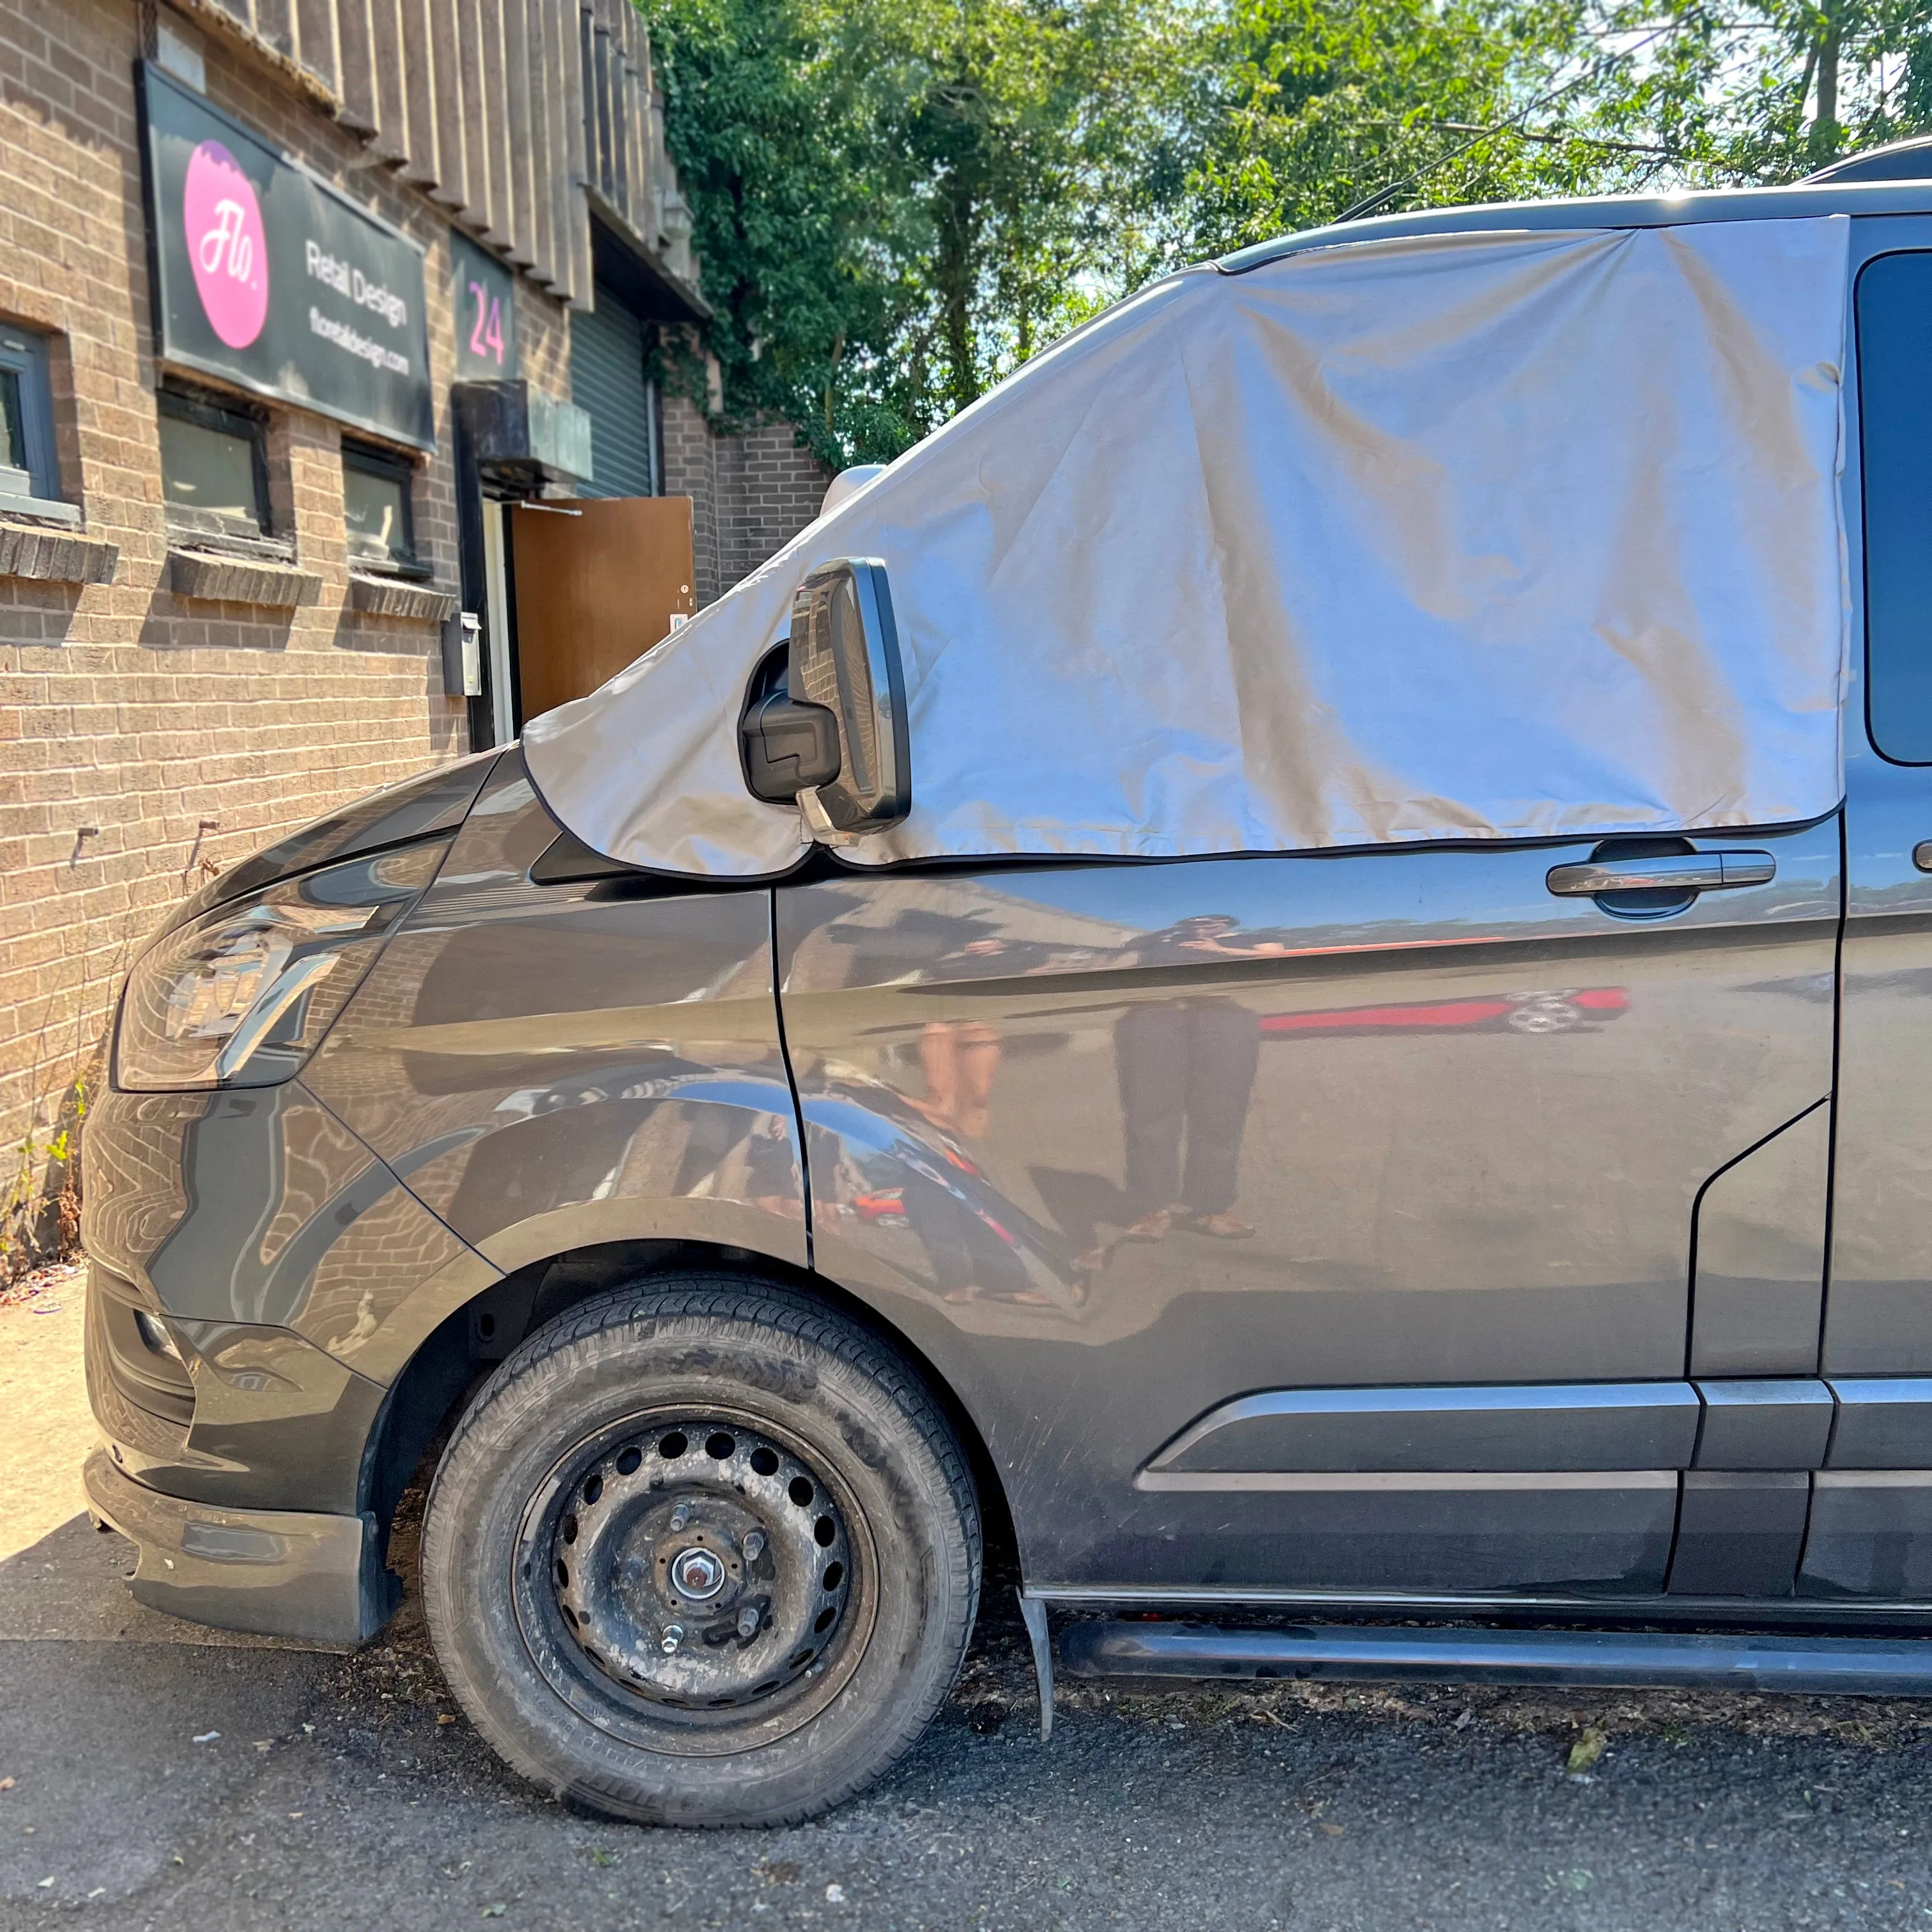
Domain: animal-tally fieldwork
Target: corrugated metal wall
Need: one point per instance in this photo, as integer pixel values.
(516, 115)
(606, 382)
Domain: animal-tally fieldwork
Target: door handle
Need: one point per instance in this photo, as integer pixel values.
(1671, 872)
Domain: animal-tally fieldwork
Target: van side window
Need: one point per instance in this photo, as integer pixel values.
(1894, 325)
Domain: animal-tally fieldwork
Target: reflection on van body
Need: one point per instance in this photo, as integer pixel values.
(1202, 1128)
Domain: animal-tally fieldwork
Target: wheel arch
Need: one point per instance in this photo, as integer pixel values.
(451, 1364)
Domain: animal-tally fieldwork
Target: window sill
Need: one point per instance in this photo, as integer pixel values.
(380, 563)
(187, 530)
(53, 555)
(39, 509)
(213, 578)
(394, 597)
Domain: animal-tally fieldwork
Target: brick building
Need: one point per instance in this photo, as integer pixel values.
(235, 567)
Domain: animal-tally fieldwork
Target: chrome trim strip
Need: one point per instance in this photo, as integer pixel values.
(1521, 1404)
(1236, 1595)
(1913, 1391)
(1398, 1480)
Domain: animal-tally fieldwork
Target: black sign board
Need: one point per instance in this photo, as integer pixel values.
(267, 277)
(483, 297)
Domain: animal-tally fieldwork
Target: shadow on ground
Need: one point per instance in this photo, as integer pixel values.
(153, 1774)
(159, 1780)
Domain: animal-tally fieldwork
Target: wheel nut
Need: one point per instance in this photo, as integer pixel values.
(755, 1545)
(674, 1636)
(748, 1622)
(698, 1574)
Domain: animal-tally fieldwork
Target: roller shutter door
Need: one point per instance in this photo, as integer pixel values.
(606, 380)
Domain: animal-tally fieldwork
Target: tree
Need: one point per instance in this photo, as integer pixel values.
(799, 221)
(1769, 91)
(898, 202)
(1030, 130)
(1329, 105)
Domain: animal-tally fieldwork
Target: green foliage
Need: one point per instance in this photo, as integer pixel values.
(898, 201)
(1328, 105)
(1767, 92)
(801, 221)
(43, 1176)
(1029, 133)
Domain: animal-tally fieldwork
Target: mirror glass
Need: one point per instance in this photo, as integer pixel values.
(845, 656)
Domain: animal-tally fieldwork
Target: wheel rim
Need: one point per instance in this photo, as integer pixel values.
(679, 1574)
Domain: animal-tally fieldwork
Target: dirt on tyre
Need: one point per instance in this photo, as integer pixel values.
(702, 1552)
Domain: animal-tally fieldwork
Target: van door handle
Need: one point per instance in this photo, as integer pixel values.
(1672, 872)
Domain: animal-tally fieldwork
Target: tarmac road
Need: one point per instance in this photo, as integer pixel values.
(345, 1791)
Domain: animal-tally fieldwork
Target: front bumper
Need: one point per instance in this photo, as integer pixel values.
(276, 1573)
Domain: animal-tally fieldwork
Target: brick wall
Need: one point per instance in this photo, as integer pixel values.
(122, 705)
(129, 708)
(750, 494)
(690, 469)
(769, 489)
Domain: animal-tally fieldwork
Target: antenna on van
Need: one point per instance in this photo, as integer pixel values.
(1370, 204)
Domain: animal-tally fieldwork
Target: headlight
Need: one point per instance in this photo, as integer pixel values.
(242, 997)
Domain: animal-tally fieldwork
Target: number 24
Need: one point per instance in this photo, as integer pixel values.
(487, 335)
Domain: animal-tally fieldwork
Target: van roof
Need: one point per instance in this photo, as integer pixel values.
(1609, 210)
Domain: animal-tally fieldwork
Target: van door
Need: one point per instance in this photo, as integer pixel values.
(1324, 1223)
(1871, 1532)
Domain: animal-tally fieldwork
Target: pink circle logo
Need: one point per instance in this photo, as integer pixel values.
(226, 243)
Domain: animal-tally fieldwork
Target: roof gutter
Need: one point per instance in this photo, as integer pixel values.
(1630, 211)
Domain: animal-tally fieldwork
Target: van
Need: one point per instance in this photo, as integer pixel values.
(1286, 968)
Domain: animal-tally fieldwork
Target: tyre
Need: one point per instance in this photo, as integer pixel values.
(702, 1552)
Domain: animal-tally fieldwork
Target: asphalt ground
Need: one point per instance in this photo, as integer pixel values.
(153, 1774)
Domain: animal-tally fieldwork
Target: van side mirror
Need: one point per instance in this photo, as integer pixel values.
(845, 659)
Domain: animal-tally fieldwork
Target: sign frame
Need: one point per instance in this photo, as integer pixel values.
(164, 294)
(474, 271)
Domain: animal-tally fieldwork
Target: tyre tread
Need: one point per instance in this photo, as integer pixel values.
(725, 1296)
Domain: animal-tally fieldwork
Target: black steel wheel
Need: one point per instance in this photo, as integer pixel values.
(703, 1552)
(680, 1565)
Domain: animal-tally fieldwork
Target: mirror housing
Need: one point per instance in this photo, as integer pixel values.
(784, 745)
(845, 658)
(848, 483)
(788, 747)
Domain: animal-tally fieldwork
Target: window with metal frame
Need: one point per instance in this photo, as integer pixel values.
(377, 486)
(1895, 333)
(214, 470)
(29, 470)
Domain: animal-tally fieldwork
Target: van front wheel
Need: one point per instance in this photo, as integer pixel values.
(702, 1552)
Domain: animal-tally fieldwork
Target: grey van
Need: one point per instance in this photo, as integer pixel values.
(1504, 1254)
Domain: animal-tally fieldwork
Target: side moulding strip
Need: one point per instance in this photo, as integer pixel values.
(1839, 1666)
(1584, 1427)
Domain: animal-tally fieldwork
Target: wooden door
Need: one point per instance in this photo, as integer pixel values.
(599, 581)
